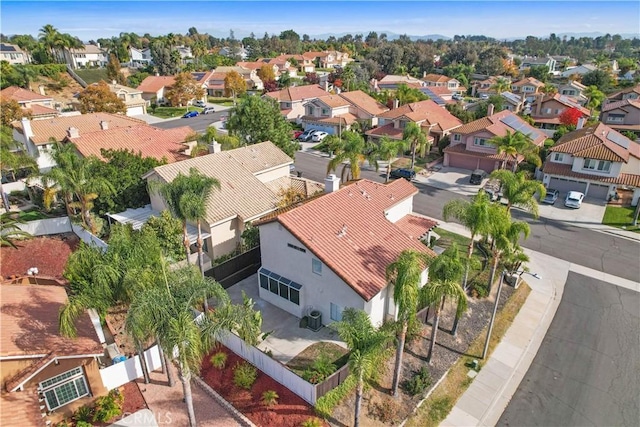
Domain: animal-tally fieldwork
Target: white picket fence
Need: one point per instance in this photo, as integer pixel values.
(271, 367)
(121, 373)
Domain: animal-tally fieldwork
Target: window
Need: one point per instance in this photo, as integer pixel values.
(482, 142)
(336, 312)
(457, 137)
(615, 118)
(547, 110)
(64, 388)
(558, 157)
(316, 266)
(325, 112)
(297, 248)
(281, 286)
(597, 165)
(557, 111)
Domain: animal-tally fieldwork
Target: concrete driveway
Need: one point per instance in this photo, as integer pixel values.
(287, 338)
(451, 179)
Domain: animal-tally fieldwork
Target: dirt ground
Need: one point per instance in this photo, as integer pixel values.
(48, 253)
(64, 95)
(377, 400)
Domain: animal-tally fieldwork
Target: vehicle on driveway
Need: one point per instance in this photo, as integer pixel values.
(551, 197)
(484, 96)
(573, 199)
(319, 136)
(492, 188)
(189, 114)
(407, 174)
(200, 104)
(306, 135)
(208, 110)
(296, 134)
(477, 176)
(457, 97)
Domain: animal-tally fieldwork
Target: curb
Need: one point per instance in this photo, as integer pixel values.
(244, 421)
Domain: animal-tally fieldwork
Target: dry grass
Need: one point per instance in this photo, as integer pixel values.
(436, 408)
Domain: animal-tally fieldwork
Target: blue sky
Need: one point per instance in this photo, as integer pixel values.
(500, 19)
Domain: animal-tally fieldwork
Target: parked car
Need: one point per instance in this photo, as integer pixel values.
(296, 134)
(190, 114)
(551, 197)
(477, 176)
(407, 174)
(457, 97)
(573, 199)
(200, 103)
(208, 110)
(319, 136)
(484, 96)
(306, 135)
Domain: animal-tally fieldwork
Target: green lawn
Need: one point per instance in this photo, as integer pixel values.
(620, 217)
(93, 75)
(169, 112)
(26, 216)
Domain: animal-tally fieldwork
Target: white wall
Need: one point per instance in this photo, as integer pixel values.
(318, 291)
(224, 238)
(579, 163)
(43, 227)
(632, 167)
(121, 373)
(376, 306)
(276, 173)
(567, 159)
(400, 210)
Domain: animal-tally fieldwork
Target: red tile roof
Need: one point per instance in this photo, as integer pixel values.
(416, 226)
(621, 104)
(528, 81)
(298, 93)
(561, 169)
(386, 130)
(147, 140)
(462, 149)
(494, 124)
(20, 408)
(22, 95)
(436, 78)
(427, 111)
(594, 142)
(152, 84)
(41, 110)
(365, 102)
(348, 231)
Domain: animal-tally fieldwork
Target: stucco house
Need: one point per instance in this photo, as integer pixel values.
(154, 88)
(470, 147)
(579, 70)
(622, 115)
(595, 160)
(133, 100)
(331, 252)
(392, 81)
(215, 85)
(631, 93)
(292, 99)
(439, 80)
(36, 105)
(42, 371)
(88, 56)
(435, 121)
(12, 54)
(534, 61)
(512, 102)
(327, 59)
(546, 110)
(250, 179)
(527, 86)
(336, 113)
(139, 57)
(574, 90)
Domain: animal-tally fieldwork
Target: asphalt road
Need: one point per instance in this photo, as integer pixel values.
(594, 249)
(586, 370)
(198, 124)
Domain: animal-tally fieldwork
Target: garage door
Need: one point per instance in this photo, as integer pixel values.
(563, 185)
(463, 162)
(134, 111)
(487, 165)
(598, 191)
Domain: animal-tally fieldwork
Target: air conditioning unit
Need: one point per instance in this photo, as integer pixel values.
(315, 320)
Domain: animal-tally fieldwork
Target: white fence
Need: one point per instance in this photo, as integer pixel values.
(129, 370)
(41, 227)
(88, 238)
(271, 367)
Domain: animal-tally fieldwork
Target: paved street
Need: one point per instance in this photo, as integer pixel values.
(198, 124)
(594, 249)
(586, 371)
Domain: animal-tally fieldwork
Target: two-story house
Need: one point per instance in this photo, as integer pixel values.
(579, 70)
(631, 93)
(512, 102)
(470, 147)
(336, 113)
(12, 54)
(332, 251)
(238, 52)
(573, 89)
(139, 57)
(133, 100)
(293, 98)
(486, 86)
(435, 121)
(594, 160)
(392, 81)
(546, 110)
(215, 85)
(527, 86)
(88, 56)
(534, 61)
(282, 64)
(622, 115)
(438, 80)
(154, 88)
(35, 105)
(328, 58)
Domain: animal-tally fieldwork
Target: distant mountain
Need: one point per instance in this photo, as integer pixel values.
(390, 35)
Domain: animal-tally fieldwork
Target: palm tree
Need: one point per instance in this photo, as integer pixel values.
(433, 294)
(352, 148)
(9, 230)
(519, 191)
(549, 89)
(504, 234)
(167, 312)
(501, 85)
(366, 350)
(48, 36)
(12, 160)
(475, 216)
(416, 139)
(387, 150)
(448, 267)
(516, 144)
(405, 274)
(594, 96)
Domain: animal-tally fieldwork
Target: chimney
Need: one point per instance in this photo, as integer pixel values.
(331, 184)
(214, 147)
(73, 132)
(490, 110)
(396, 103)
(104, 125)
(41, 89)
(26, 127)
(113, 82)
(580, 123)
(538, 100)
(157, 74)
(424, 74)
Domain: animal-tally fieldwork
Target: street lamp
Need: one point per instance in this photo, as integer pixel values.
(495, 305)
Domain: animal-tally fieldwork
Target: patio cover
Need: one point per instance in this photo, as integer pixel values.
(138, 217)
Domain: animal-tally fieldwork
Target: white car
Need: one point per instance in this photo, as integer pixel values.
(319, 136)
(573, 199)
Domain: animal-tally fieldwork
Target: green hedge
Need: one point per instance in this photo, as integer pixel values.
(327, 403)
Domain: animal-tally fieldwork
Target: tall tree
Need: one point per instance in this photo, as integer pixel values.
(519, 191)
(408, 95)
(405, 274)
(449, 267)
(516, 144)
(595, 97)
(234, 85)
(113, 70)
(366, 346)
(387, 150)
(501, 85)
(353, 149)
(416, 139)
(475, 216)
(12, 158)
(266, 73)
(98, 98)
(184, 89)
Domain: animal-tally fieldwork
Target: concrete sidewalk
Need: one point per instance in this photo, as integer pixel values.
(485, 400)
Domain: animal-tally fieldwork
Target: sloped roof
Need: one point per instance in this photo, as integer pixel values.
(436, 78)
(298, 93)
(564, 100)
(22, 406)
(562, 169)
(528, 81)
(595, 142)
(365, 102)
(634, 103)
(387, 130)
(241, 193)
(495, 124)
(41, 110)
(22, 95)
(152, 84)
(424, 110)
(333, 101)
(625, 91)
(57, 127)
(115, 87)
(89, 48)
(349, 232)
(147, 140)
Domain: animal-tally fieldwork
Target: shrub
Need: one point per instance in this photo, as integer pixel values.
(244, 375)
(219, 360)
(386, 410)
(322, 367)
(326, 404)
(83, 424)
(83, 414)
(311, 422)
(419, 383)
(270, 398)
(108, 407)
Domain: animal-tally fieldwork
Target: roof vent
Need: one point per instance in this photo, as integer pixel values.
(343, 232)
